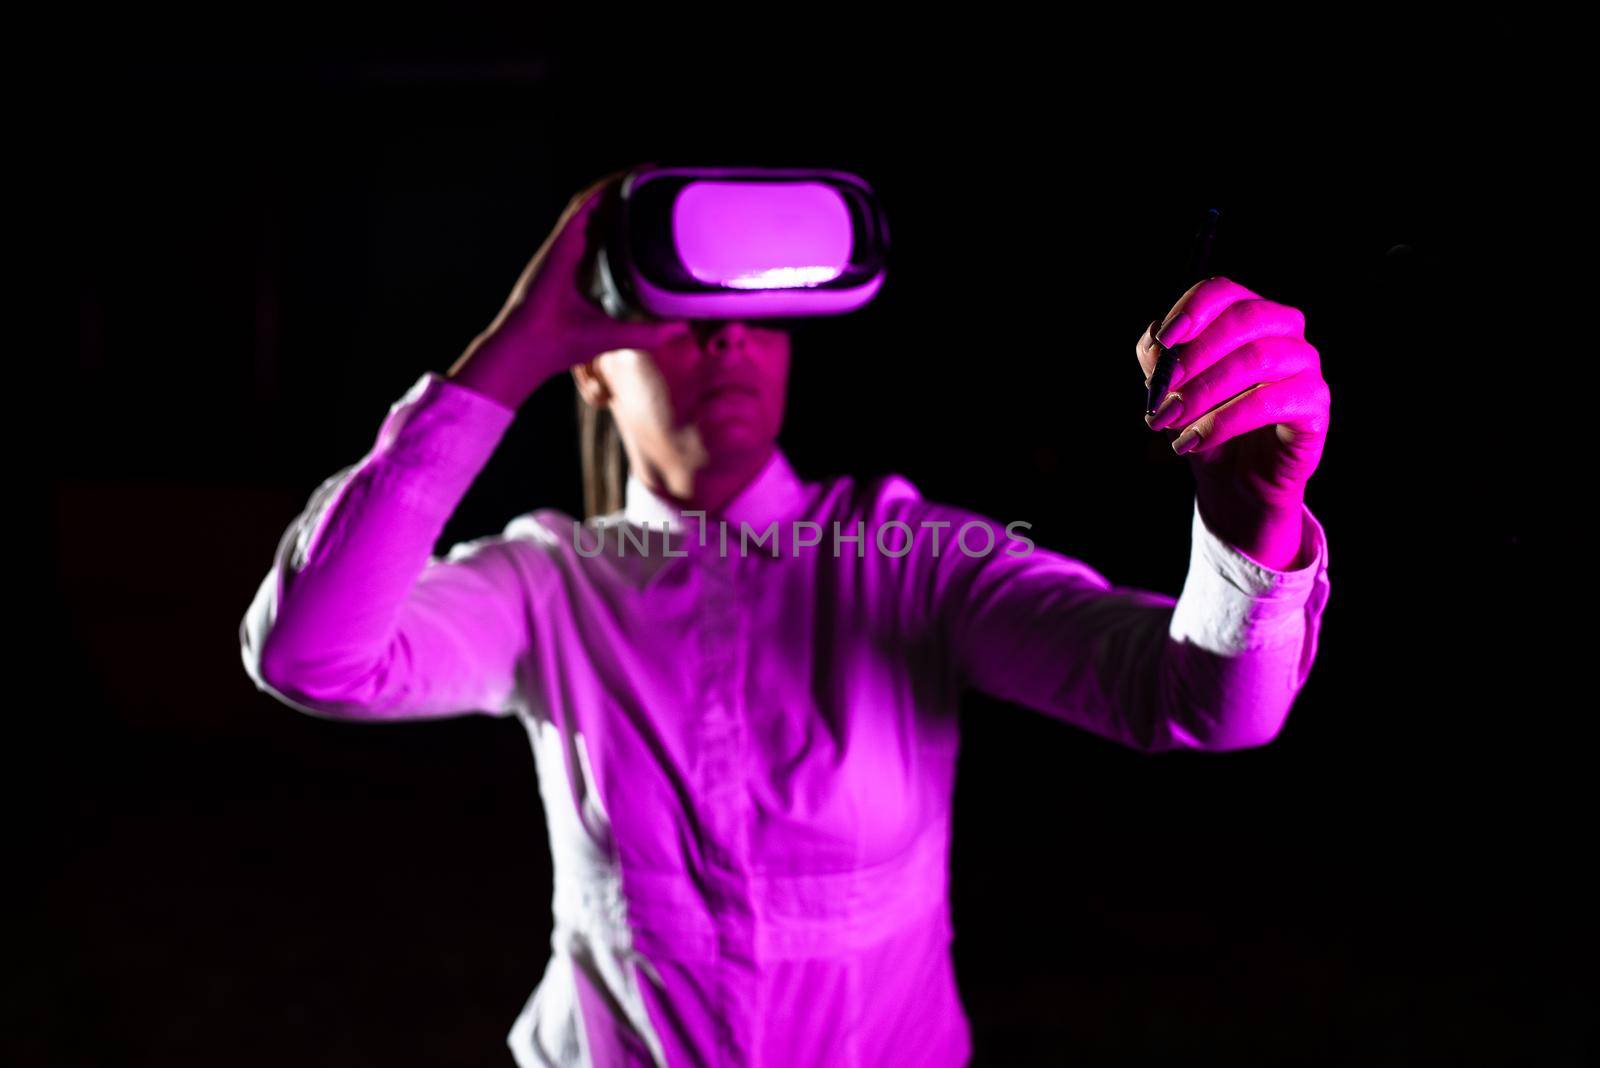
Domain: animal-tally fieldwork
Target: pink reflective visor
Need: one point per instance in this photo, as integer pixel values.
(741, 243)
(762, 235)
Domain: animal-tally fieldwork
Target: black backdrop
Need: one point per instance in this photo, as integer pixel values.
(256, 256)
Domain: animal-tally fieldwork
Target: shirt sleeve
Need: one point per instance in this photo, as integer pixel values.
(1218, 668)
(356, 617)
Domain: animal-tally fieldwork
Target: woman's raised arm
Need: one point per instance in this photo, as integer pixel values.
(357, 618)
(1219, 667)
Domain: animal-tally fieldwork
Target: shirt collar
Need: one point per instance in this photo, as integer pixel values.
(773, 495)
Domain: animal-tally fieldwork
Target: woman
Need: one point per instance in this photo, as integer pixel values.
(742, 686)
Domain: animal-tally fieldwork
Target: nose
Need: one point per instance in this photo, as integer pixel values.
(727, 337)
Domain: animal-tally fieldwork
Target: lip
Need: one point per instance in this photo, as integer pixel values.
(711, 402)
(719, 389)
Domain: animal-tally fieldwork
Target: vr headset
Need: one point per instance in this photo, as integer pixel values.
(740, 243)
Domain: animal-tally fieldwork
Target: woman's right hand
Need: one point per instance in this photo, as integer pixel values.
(548, 323)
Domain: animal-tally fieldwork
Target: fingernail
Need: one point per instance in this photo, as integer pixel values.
(1175, 332)
(1170, 411)
(1186, 441)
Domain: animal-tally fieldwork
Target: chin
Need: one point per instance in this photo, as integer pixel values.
(732, 444)
(734, 433)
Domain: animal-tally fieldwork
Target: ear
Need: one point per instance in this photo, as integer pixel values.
(591, 384)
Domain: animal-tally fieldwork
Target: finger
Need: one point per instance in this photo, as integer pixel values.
(589, 191)
(1145, 348)
(1298, 404)
(611, 334)
(1271, 359)
(586, 199)
(575, 229)
(1196, 309)
(1238, 324)
(564, 246)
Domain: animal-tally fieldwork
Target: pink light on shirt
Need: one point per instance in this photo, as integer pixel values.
(747, 760)
(762, 235)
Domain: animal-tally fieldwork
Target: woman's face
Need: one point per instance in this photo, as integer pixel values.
(711, 394)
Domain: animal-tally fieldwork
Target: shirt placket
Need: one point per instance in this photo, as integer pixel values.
(720, 778)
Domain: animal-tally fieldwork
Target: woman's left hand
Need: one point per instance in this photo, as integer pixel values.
(1252, 406)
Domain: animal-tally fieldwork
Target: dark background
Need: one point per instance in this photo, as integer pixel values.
(256, 252)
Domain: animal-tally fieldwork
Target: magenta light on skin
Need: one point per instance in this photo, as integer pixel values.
(769, 235)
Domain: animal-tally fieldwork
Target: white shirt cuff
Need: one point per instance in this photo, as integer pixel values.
(1230, 603)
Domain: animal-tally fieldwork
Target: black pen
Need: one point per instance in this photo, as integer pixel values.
(1199, 265)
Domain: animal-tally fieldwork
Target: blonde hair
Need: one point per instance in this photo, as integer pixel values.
(604, 463)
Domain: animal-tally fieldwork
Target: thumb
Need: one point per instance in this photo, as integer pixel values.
(615, 334)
